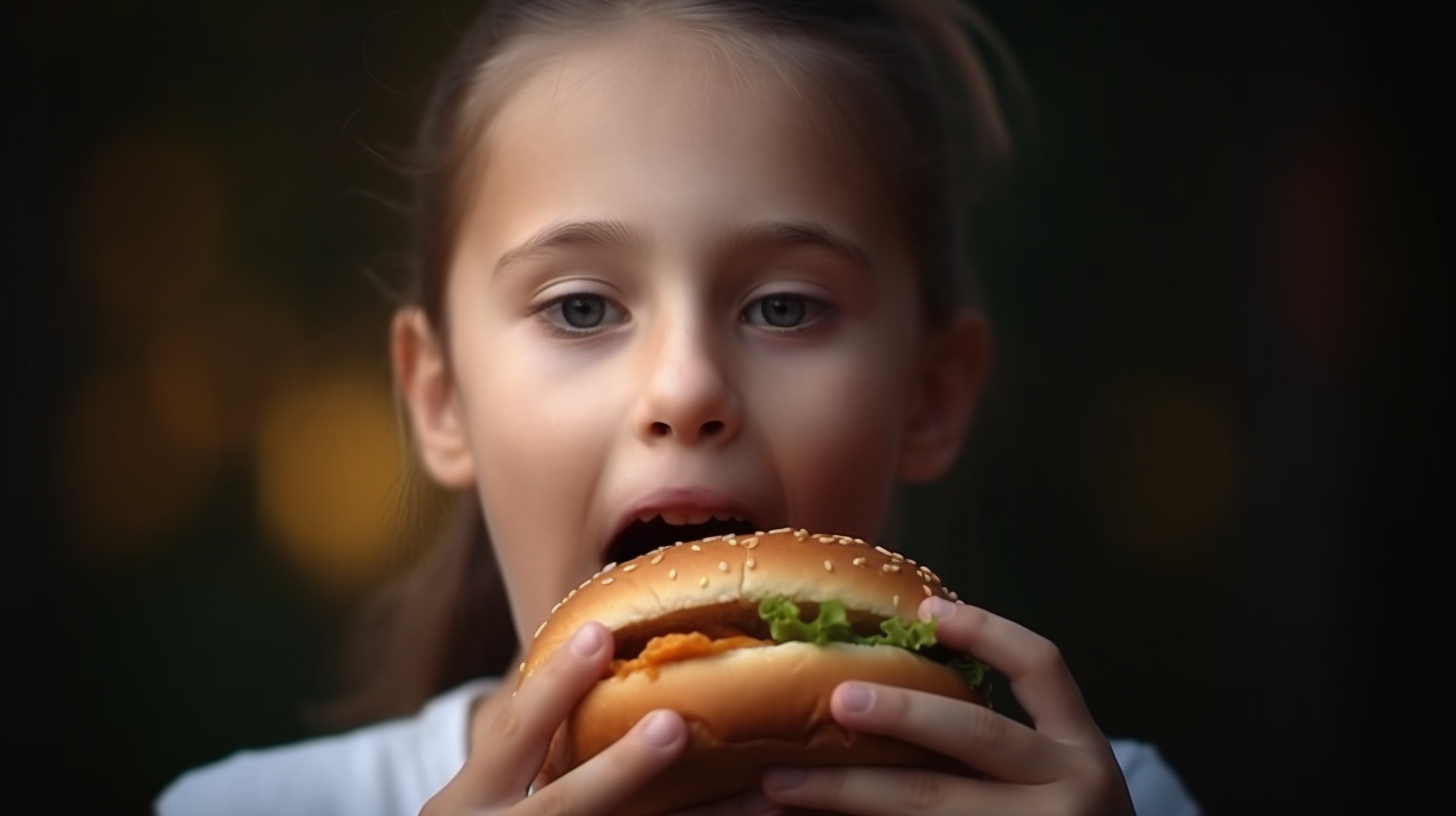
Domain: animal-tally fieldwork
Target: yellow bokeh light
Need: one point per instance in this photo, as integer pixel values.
(329, 465)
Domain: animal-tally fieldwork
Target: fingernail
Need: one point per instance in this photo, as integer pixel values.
(660, 729)
(784, 779)
(587, 641)
(937, 608)
(856, 697)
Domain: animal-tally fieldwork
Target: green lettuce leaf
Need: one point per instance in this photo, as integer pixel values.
(831, 625)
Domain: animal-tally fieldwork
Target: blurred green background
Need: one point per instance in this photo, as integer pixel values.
(1214, 338)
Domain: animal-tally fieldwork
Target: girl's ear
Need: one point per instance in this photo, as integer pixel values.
(952, 367)
(422, 374)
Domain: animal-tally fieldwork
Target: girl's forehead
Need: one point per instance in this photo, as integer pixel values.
(667, 78)
(676, 126)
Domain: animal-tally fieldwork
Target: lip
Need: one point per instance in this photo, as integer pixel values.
(682, 505)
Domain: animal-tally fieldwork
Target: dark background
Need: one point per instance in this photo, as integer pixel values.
(1210, 464)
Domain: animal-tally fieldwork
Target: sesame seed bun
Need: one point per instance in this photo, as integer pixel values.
(747, 709)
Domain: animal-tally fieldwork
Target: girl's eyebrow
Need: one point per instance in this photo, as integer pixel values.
(574, 234)
(761, 235)
(788, 234)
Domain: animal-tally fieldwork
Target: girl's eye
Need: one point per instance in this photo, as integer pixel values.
(784, 311)
(581, 313)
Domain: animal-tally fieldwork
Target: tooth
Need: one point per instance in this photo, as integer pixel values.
(698, 517)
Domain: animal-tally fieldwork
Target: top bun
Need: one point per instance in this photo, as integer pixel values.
(731, 570)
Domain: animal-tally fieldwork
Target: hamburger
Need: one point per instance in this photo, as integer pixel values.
(746, 636)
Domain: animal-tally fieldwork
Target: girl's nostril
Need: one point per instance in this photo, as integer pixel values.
(661, 429)
(713, 427)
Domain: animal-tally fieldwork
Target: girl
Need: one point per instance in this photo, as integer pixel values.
(687, 260)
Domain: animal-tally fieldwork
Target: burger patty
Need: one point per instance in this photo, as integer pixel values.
(681, 646)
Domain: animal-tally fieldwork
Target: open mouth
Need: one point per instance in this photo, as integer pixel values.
(641, 537)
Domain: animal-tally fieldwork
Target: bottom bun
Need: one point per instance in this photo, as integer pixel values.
(748, 710)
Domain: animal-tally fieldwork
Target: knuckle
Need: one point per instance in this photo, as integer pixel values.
(984, 727)
(1043, 655)
(924, 791)
(508, 723)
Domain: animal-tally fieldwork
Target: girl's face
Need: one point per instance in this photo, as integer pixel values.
(673, 296)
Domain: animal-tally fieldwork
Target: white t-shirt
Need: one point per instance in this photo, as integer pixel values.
(391, 768)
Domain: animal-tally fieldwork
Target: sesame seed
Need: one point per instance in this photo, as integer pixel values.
(629, 568)
(859, 541)
(928, 593)
(728, 537)
(672, 575)
(858, 562)
(584, 584)
(895, 601)
(954, 597)
(722, 566)
(828, 565)
(703, 582)
(656, 560)
(750, 543)
(538, 629)
(523, 666)
(883, 551)
(910, 561)
(607, 581)
(750, 564)
(556, 607)
(696, 548)
(825, 539)
(712, 538)
(609, 567)
(732, 542)
(890, 567)
(801, 534)
(780, 530)
(897, 556)
(677, 543)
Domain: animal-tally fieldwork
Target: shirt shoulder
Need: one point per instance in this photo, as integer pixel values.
(384, 769)
(1155, 788)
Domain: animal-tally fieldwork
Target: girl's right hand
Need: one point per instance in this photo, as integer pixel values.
(502, 766)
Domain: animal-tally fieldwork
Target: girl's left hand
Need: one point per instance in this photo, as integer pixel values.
(1063, 765)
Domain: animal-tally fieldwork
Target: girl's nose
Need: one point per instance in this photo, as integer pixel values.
(688, 395)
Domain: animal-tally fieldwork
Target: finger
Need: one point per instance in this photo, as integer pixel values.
(890, 792)
(980, 738)
(748, 804)
(608, 779)
(1039, 678)
(521, 731)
